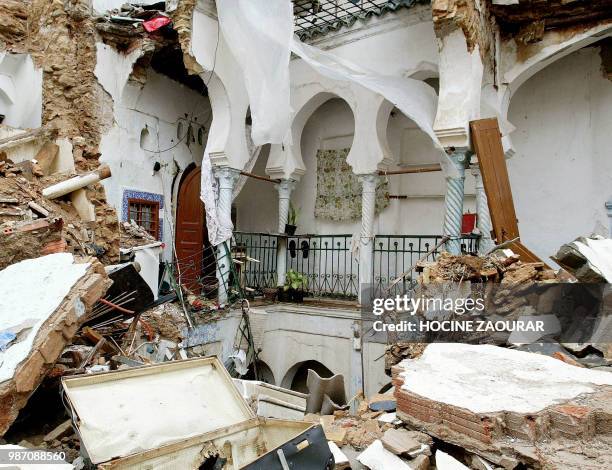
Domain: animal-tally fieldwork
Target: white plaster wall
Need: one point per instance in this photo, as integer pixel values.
(293, 334)
(290, 334)
(20, 91)
(159, 106)
(395, 44)
(257, 203)
(561, 175)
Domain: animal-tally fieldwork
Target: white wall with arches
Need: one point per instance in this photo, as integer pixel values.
(158, 121)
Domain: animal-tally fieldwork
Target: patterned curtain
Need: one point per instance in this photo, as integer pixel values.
(339, 189)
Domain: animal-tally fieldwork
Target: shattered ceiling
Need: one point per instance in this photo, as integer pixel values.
(550, 13)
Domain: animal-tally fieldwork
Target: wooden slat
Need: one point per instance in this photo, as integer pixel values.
(486, 138)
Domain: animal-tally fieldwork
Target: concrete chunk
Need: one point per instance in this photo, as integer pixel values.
(399, 442)
(446, 462)
(64, 429)
(376, 457)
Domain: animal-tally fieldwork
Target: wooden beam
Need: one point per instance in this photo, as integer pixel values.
(260, 178)
(492, 162)
(412, 169)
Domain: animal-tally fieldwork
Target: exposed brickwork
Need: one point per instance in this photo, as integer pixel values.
(56, 333)
(585, 419)
(473, 18)
(445, 416)
(183, 23)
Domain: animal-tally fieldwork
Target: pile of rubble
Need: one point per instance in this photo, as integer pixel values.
(508, 407)
(133, 235)
(32, 224)
(502, 266)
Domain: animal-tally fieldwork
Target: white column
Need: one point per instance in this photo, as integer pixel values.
(226, 178)
(453, 202)
(284, 188)
(366, 239)
(484, 217)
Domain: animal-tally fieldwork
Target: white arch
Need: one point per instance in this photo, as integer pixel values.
(370, 149)
(227, 143)
(515, 72)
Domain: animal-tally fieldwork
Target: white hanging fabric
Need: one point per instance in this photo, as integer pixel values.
(416, 99)
(219, 225)
(258, 34)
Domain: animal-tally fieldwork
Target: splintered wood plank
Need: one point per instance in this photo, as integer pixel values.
(492, 162)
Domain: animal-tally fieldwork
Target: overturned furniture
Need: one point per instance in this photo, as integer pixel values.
(184, 414)
(270, 401)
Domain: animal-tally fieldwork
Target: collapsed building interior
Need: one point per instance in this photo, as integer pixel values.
(190, 198)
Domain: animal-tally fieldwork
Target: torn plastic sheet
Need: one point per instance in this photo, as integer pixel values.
(259, 34)
(219, 225)
(416, 99)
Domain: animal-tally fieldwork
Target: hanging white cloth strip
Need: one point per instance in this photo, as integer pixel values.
(258, 34)
(416, 99)
(219, 227)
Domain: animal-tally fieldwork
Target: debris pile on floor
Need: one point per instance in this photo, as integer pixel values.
(35, 329)
(32, 225)
(509, 407)
(502, 266)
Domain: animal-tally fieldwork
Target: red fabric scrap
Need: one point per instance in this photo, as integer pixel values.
(155, 23)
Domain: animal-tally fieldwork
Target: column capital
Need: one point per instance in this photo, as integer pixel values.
(226, 176)
(369, 182)
(475, 170)
(460, 159)
(285, 187)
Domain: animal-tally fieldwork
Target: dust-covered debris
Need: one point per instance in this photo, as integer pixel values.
(501, 266)
(133, 235)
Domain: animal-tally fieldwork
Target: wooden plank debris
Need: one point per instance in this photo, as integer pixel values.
(492, 162)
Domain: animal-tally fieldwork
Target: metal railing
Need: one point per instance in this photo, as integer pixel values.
(397, 254)
(327, 263)
(256, 253)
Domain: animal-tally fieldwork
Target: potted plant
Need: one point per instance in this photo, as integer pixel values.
(269, 293)
(292, 219)
(295, 285)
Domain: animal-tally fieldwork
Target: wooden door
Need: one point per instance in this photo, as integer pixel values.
(492, 162)
(193, 250)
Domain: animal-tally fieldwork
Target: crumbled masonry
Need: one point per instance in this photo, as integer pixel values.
(136, 134)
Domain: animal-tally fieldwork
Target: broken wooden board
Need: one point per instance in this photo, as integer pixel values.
(486, 138)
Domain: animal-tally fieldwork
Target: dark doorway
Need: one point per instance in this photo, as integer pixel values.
(194, 254)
